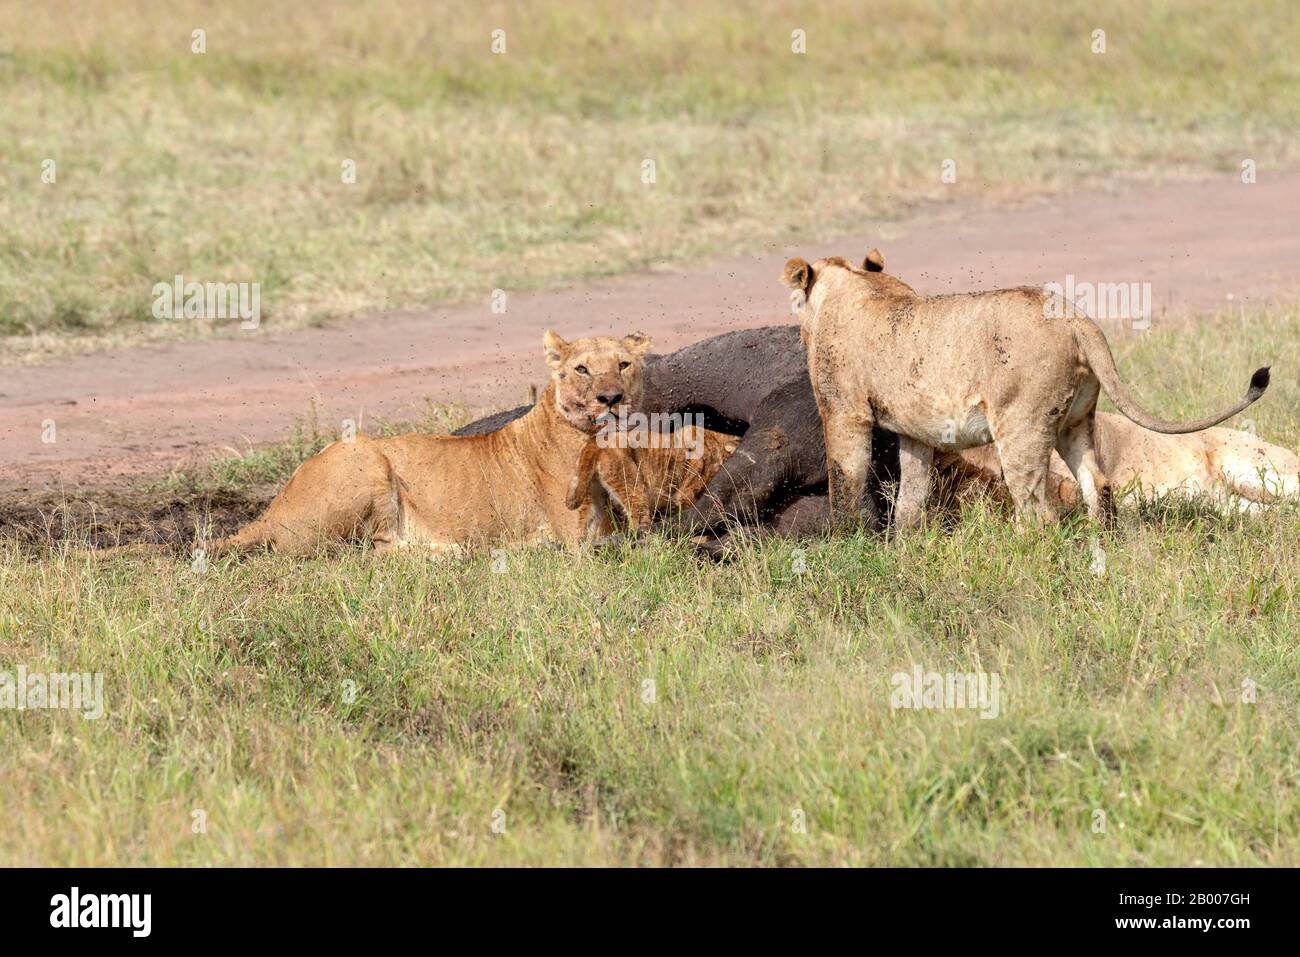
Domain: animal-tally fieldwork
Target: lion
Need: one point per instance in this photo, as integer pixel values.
(1231, 468)
(1015, 367)
(657, 473)
(446, 492)
(755, 383)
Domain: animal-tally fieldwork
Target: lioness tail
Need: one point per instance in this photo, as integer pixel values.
(1097, 351)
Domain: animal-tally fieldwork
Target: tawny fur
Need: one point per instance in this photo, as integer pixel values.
(444, 492)
(645, 482)
(949, 373)
(1227, 467)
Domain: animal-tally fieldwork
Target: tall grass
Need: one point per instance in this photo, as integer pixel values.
(352, 711)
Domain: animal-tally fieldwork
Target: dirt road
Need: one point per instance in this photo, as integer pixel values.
(150, 409)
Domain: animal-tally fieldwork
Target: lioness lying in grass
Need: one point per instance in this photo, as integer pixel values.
(1227, 467)
(445, 491)
(1014, 366)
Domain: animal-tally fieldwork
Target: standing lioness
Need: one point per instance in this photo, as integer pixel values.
(952, 372)
(445, 491)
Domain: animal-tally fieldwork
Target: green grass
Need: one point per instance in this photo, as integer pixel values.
(510, 688)
(478, 171)
(523, 690)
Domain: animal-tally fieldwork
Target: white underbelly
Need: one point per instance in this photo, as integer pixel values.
(950, 432)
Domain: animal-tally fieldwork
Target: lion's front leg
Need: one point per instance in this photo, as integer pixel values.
(594, 516)
(848, 459)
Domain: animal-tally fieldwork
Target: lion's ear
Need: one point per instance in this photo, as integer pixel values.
(875, 261)
(638, 343)
(797, 274)
(555, 349)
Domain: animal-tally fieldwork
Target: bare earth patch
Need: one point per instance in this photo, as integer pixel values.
(128, 512)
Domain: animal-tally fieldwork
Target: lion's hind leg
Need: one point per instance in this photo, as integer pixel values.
(915, 461)
(1078, 450)
(1025, 452)
(1253, 470)
(345, 492)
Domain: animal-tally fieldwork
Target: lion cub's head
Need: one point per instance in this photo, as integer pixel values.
(595, 376)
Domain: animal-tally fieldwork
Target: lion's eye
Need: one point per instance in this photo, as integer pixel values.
(623, 365)
(581, 370)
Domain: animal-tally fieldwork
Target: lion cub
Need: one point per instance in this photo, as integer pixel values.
(669, 471)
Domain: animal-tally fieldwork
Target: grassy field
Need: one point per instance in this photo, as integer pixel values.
(477, 170)
(637, 706)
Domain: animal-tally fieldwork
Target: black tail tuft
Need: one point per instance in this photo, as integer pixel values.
(1259, 381)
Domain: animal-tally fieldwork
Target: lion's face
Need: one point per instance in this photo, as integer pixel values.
(596, 376)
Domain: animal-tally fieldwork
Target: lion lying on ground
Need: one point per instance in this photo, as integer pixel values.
(1228, 467)
(446, 491)
(657, 473)
(1014, 366)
